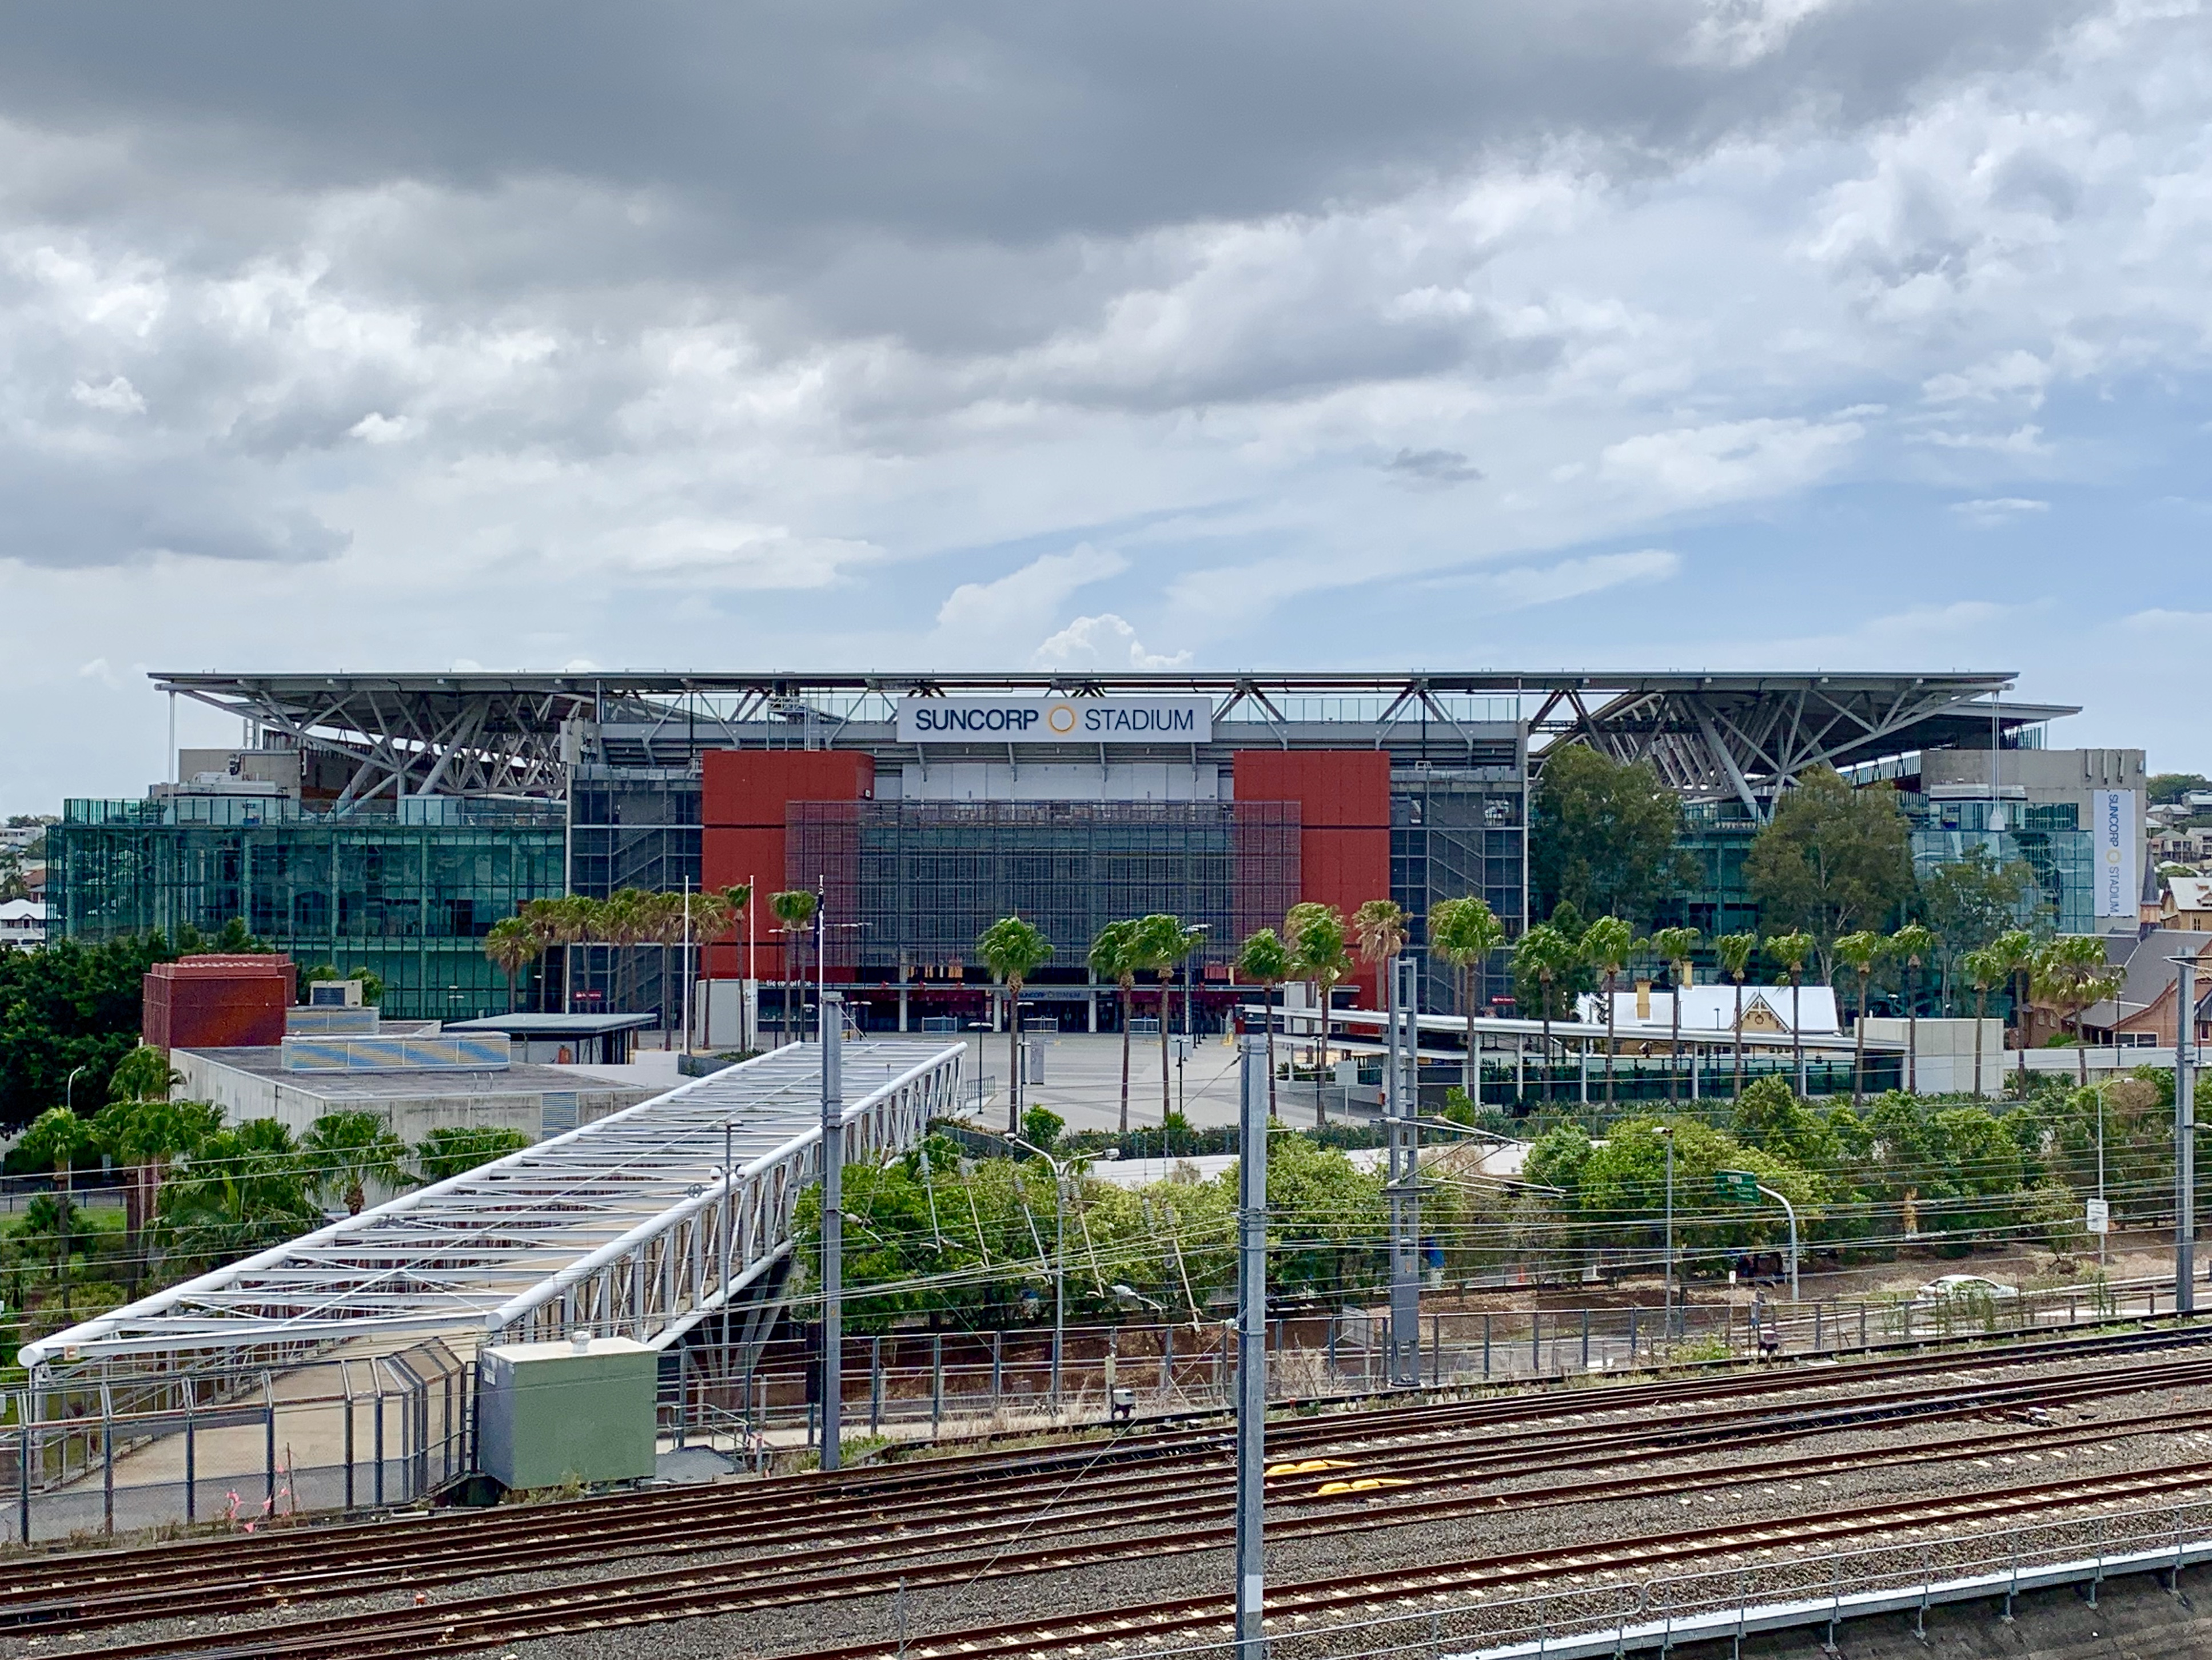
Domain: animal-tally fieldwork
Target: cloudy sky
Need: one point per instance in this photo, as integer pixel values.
(1665, 333)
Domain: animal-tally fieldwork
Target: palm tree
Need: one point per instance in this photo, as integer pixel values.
(1860, 952)
(1606, 944)
(1315, 932)
(1983, 969)
(2072, 972)
(1113, 956)
(1162, 942)
(57, 1137)
(1013, 949)
(2014, 949)
(1264, 959)
(1674, 946)
(573, 918)
(459, 1148)
(1379, 925)
(1545, 954)
(1464, 933)
(1913, 943)
(1736, 951)
(794, 913)
(512, 945)
(343, 1152)
(142, 1129)
(237, 1191)
(1790, 950)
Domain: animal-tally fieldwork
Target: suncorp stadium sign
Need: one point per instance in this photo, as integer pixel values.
(1055, 720)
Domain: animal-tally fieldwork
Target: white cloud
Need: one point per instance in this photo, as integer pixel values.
(1731, 459)
(1020, 602)
(374, 429)
(117, 397)
(1104, 642)
(2000, 509)
(1573, 579)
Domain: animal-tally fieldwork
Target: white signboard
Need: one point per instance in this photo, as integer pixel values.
(2117, 837)
(2101, 1217)
(1055, 720)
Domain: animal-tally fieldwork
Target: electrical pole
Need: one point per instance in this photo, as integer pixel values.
(1668, 1325)
(1251, 1346)
(1401, 1098)
(830, 1014)
(2184, 1136)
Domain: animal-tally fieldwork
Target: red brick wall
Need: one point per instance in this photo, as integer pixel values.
(743, 795)
(1343, 839)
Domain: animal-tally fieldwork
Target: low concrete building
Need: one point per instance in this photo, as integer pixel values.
(414, 1100)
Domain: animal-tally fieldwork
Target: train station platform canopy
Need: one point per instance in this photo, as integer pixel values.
(634, 1225)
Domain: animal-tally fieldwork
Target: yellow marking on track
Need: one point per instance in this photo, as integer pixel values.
(1364, 1484)
(1308, 1467)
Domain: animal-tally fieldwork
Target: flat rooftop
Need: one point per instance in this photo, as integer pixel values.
(403, 1083)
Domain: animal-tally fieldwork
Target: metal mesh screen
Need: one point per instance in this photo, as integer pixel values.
(923, 878)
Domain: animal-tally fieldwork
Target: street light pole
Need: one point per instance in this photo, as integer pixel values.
(1251, 1348)
(1401, 1104)
(831, 1016)
(1790, 1210)
(1059, 1172)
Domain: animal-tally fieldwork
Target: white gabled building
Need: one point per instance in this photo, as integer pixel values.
(23, 923)
(1712, 1008)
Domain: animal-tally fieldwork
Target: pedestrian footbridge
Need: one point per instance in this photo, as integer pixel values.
(639, 1225)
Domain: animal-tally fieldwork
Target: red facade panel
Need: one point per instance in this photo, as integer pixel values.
(746, 797)
(216, 1002)
(1343, 807)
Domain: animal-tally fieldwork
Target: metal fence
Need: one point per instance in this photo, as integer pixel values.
(347, 1433)
(907, 1381)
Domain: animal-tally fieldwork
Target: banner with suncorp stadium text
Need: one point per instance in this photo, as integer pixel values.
(2116, 834)
(1055, 720)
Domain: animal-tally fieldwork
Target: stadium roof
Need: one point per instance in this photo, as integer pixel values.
(1712, 736)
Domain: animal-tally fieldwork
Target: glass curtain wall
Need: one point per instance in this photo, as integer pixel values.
(1453, 834)
(632, 828)
(410, 901)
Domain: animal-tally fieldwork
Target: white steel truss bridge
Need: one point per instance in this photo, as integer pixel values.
(630, 1226)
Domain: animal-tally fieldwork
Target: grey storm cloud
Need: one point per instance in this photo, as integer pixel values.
(274, 254)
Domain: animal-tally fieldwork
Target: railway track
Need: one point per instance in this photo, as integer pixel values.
(116, 1588)
(497, 1622)
(602, 1528)
(862, 1560)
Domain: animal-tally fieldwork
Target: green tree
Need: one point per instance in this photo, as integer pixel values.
(1379, 925)
(1769, 1115)
(1832, 859)
(1983, 969)
(1464, 933)
(1113, 957)
(2166, 789)
(1674, 946)
(513, 946)
(58, 1138)
(1544, 963)
(1264, 959)
(1606, 945)
(2070, 973)
(459, 1148)
(1971, 900)
(1163, 942)
(343, 1153)
(69, 1008)
(1013, 949)
(1791, 950)
(1914, 943)
(144, 1135)
(794, 909)
(238, 1192)
(1859, 951)
(1603, 836)
(2014, 952)
(1315, 935)
(1736, 951)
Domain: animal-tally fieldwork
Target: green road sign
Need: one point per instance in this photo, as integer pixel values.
(1737, 1187)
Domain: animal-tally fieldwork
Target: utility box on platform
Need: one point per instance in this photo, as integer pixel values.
(549, 1412)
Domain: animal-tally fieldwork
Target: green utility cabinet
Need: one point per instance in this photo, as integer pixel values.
(549, 1412)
